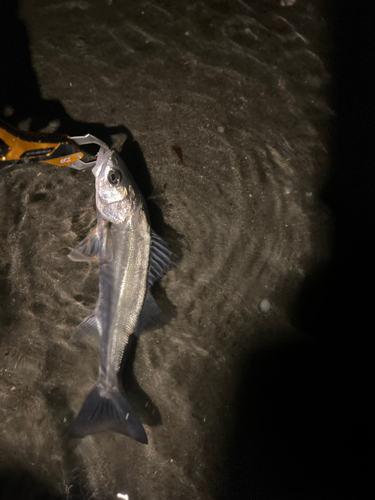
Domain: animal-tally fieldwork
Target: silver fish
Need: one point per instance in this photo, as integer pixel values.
(131, 258)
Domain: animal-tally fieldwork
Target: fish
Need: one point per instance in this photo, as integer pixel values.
(131, 258)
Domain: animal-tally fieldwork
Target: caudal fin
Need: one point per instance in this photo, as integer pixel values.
(101, 414)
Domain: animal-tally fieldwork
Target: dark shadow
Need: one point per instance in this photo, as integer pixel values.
(140, 402)
(20, 97)
(336, 301)
(23, 485)
(300, 430)
(335, 305)
(20, 100)
(132, 155)
(168, 308)
(19, 90)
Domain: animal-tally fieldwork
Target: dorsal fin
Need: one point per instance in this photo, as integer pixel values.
(160, 259)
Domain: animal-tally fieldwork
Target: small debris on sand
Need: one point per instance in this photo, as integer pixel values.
(265, 305)
(178, 152)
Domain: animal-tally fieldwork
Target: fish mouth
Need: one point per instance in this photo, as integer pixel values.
(103, 158)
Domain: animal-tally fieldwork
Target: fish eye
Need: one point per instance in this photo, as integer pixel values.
(114, 177)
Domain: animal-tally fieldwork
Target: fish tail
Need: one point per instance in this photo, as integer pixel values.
(113, 413)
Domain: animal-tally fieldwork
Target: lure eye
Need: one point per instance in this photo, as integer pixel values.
(114, 177)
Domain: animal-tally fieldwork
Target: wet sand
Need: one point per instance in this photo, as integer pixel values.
(220, 110)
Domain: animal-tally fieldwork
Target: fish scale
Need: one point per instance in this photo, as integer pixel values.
(122, 290)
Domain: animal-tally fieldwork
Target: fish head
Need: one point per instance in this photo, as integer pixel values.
(115, 195)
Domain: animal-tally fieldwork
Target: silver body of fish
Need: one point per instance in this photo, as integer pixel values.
(131, 258)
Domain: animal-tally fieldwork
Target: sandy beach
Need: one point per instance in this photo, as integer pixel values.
(223, 113)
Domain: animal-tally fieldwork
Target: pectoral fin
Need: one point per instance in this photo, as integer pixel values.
(88, 249)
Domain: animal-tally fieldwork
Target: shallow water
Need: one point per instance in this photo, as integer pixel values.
(238, 89)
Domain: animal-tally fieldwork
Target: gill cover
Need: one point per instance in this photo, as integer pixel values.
(114, 201)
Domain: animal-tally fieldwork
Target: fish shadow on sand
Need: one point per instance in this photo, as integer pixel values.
(140, 402)
(132, 155)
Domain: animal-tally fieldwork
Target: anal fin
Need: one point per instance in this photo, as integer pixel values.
(86, 330)
(151, 316)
